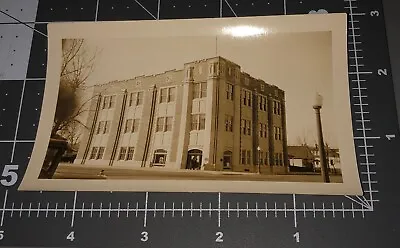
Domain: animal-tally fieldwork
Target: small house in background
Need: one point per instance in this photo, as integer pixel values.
(332, 157)
(300, 159)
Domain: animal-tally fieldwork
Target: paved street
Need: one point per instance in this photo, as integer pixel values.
(85, 172)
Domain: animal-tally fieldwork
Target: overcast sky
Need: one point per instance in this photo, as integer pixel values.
(300, 64)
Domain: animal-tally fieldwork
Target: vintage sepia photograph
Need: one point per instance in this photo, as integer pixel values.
(252, 104)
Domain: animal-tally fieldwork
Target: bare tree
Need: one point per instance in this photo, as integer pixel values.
(77, 65)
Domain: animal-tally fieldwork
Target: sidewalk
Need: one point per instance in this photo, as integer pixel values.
(93, 172)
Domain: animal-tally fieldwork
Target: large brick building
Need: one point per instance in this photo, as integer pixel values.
(209, 115)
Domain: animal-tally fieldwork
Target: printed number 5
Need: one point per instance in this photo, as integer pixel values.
(9, 171)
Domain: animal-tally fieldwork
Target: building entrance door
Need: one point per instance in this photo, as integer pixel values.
(227, 160)
(194, 159)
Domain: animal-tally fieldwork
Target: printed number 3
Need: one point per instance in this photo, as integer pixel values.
(9, 171)
(145, 236)
(374, 13)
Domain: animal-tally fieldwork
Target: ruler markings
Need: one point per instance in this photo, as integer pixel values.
(295, 211)
(145, 212)
(4, 207)
(219, 209)
(12, 210)
(73, 209)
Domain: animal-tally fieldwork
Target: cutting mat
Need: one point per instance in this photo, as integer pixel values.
(104, 219)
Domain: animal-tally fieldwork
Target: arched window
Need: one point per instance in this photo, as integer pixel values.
(160, 157)
(227, 160)
(194, 159)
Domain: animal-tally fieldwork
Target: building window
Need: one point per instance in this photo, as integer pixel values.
(246, 127)
(247, 98)
(167, 94)
(262, 87)
(100, 153)
(164, 124)
(202, 121)
(203, 89)
(136, 98)
(276, 156)
(131, 150)
(103, 127)
(128, 126)
(160, 124)
(262, 103)
(168, 124)
(135, 125)
(263, 130)
(160, 156)
(229, 123)
(229, 70)
(122, 153)
(139, 98)
(106, 127)
(280, 158)
(229, 91)
(94, 153)
(126, 153)
(278, 133)
(99, 127)
(277, 108)
(163, 95)
(108, 102)
(131, 125)
(171, 94)
(97, 153)
(248, 157)
(199, 90)
(198, 122)
(189, 73)
(243, 157)
(266, 161)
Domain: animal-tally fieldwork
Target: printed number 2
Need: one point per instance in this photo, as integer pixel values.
(145, 236)
(9, 171)
(219, 237)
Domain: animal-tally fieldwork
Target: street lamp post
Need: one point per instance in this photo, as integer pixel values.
(258, 159)
(324, 169)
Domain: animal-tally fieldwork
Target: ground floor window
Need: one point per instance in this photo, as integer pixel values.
(194, 159)
(160, 156)
(227, 160)
(245, 157)
(126, 153)
(97, 152)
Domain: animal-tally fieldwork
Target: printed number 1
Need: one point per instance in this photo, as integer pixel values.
(297, 237)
